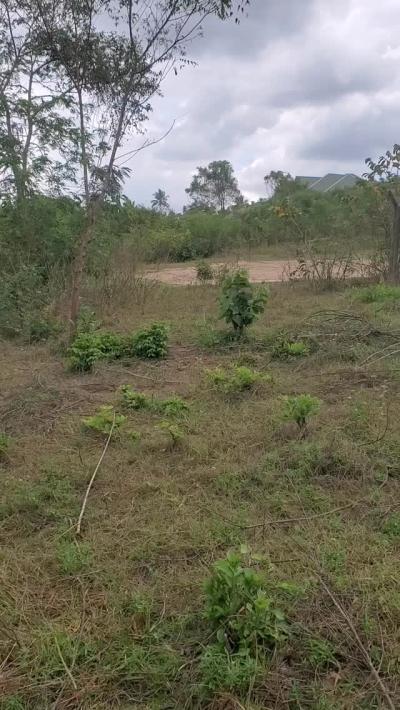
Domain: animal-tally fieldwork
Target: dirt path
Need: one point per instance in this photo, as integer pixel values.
(269, 271)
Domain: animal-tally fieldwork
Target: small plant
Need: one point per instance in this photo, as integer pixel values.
(391, 528)
(131, 399)
(284, 349)
(151, 343)
(83, 353)
(172, 407)
(87, 322)
(239, 609)
(224, 671)
(73, 557)
(41, 329)
(300, 408)
(5, 442)
(204, 272)
(235, 380)
(173, 431)
(104, 420)
(377, 293)
(240, 302)
(321, 653)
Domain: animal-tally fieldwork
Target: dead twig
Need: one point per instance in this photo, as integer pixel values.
(81, 514)
(67, 670)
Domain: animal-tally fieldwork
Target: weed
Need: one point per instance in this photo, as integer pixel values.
(73, 557)
(49, 499)
(131, 399)
(50, 646)
(174, 432)
(13, 702)
(170, 407)
(300, 408)
(321, 653)
(104, 420)
(284, 349)
(148, 665)
(239, 609)
(235, 380)
(151, 343)
(5, 443)
(391, 527)
(204, 272)
(240, 302)
(224, 671)
(376, 293)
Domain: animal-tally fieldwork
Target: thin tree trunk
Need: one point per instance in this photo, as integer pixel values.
(78, 269)
(394, 264)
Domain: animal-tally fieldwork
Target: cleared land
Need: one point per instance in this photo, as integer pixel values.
(115, 618)
(259, 271)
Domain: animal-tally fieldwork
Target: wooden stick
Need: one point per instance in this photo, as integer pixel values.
(81, 514)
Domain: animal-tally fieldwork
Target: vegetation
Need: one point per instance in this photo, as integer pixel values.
(151, 343)
(300, 408)
(105, 420)
(240, 302)
(236, 379)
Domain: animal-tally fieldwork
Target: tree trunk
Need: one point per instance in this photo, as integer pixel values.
(394, 264)
(78, 269)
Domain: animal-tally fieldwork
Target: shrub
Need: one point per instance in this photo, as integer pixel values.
(239, 609)
(204, 272)
(151, 343)
(39, 330)
(104, 420)
(377, 293)
(88, 348)
(284, 349)
(236, 379)
(174, 432)
(171, 407)
(134, 400)
(240, 302)
(300, 408)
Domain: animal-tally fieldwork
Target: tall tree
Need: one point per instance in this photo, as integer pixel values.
(214, 187)
(387, 170)
(160, 202)
(112, 75)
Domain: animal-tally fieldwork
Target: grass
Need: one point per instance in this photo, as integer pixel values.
(115, 618)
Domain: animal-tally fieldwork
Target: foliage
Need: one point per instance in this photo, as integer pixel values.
(300, 408)
(224, 671)
(5, 442)
(131, 399)
(214, 187)
(170, 407)
(204, 272)
(104, 420)
(240, 302)
(376, 293)
(151, 342)
(160, 202)
(239, 609)
(236, 379)
(391, 527)
(285, 348)
(174, 432)
(84, 352)
(321, 653)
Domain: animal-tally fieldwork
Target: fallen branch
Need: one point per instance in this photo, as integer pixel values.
(81, 514)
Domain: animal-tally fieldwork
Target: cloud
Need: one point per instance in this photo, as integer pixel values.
(305, 87)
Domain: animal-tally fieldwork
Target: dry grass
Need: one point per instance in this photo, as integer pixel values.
(115, 617)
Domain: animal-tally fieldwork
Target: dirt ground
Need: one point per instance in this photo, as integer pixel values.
(259, 271)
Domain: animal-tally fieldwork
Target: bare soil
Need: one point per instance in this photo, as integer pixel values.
(259, 271)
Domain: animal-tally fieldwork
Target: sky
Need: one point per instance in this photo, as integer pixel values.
(303, 86)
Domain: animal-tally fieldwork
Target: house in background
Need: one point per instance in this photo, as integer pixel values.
(331, 181)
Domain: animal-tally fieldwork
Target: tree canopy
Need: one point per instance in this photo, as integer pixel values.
(214, 187)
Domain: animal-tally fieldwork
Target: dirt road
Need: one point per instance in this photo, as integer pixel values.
(269, 271)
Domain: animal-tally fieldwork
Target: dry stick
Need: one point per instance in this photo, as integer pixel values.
(81, 514)
(360, 644)
(67, 670)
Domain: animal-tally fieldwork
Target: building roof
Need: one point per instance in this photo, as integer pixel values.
(331, 181)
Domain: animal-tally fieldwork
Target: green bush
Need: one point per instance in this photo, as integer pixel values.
(240, 610)
(151, 343)
(204, 272)
(284, 349)
(240, 302)
(84, 353)
(134, 400)
(300, 408)
(104, 420)
(377, 293)
(173, 431)
(235, 380)
(170, 407)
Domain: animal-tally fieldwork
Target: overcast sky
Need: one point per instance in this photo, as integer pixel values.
(304, 86)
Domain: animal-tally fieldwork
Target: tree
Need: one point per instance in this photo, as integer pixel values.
(240, 303)
(279, 184)
(111, 76)
(214, 187)
(160, 202)
(387, 170)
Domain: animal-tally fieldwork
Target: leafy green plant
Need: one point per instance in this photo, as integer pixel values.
(73, 557)
(240, 302)
(321, 653)
(87, 321)
(131, 399)
(172, 407)
(42, 329)
(376, 293)
(151, 343)
(104, 420)
(174, 432)
(284, 349)
(5, 442)
(300, 408)
(239, 608)
(204, 272)
(236, 379)
(83, 353)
